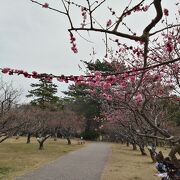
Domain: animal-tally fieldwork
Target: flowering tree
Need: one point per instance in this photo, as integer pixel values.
(116, 23)
(127, 122)
(147, 67)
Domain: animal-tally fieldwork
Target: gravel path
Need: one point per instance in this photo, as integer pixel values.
(84, 164)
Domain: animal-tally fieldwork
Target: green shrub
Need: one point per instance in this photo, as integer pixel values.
(90, 135)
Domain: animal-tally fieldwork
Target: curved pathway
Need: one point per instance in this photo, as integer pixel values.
(84, 164)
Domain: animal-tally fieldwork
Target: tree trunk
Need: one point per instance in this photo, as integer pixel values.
(127, 143)
(155, 139)
(152, 155)
(156, 142)
(134, 146)
(69, 141)
(55, 136)
(3, 139)
(17, 136)
(41, 145)
(41, 141)
(28, 138)
(143, 153)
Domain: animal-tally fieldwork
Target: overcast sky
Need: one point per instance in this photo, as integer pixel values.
(36, 39)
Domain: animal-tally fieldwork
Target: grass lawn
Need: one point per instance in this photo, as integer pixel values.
(126, 164)
(17, 157)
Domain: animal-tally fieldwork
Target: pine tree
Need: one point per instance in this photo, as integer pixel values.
(43, 94)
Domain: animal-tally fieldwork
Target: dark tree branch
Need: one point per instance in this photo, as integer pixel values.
(169, 27)
(159, 14)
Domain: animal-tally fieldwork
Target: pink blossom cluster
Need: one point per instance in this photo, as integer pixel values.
(139, 8)
(15, 71)
(169, 46)
(157, 77)
(166, 12)
(84, 15)
(175, 68)
(124, 48)
(138, 98)
(72, 41)
(169, 38)
(45, 5)
(34, 74)
(106, 96)
(107, 84)
(127, 82)
(113, 115)
(108, 23)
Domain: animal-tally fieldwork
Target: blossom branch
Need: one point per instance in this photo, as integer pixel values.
(169, 27)
(48, 7)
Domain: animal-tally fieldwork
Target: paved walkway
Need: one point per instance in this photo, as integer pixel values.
(84, 164)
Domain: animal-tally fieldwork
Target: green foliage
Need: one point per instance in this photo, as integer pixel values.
(82, 102)
(4, 171)
(99, 66)
(43, 94)
(173, 108)
(176, 117)
(104, 66)
(87, 104)
(77, 91)
(90, 135)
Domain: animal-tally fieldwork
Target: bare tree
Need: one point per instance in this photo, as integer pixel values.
(9, 122)
(9, 97)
